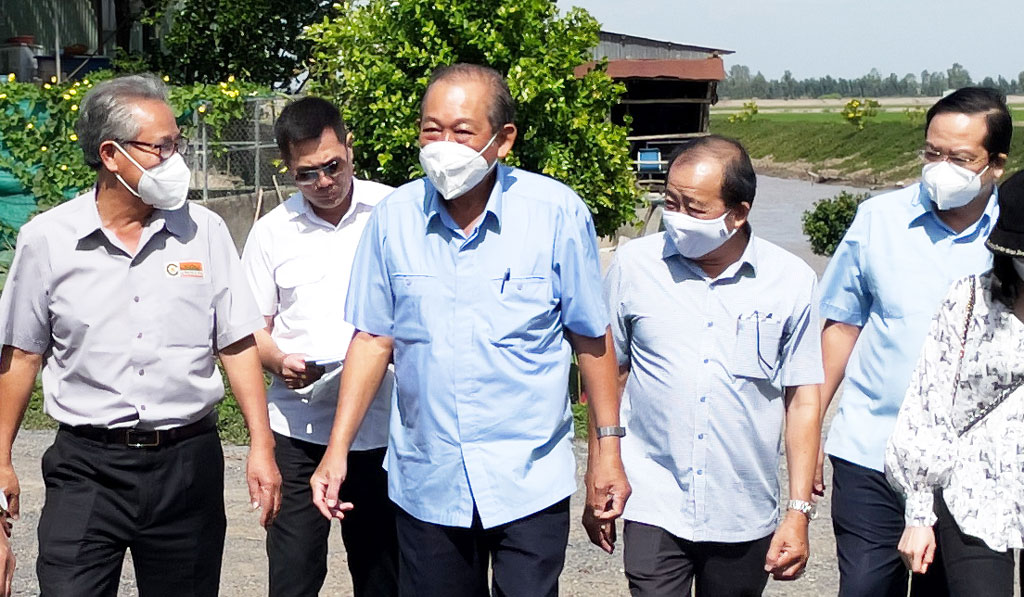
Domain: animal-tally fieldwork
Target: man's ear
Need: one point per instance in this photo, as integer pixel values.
(108, 156)
(348, 140)
(741, 213)
(507, 138)
(998, 165)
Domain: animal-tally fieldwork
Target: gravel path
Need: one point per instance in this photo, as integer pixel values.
(588, 571)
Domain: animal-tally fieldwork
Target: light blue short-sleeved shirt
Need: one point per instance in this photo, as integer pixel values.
(703, 404)
(888, 275)
(480, 413)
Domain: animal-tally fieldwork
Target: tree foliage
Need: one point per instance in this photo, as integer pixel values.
(828, 220)
(256, 40)
(375, 59)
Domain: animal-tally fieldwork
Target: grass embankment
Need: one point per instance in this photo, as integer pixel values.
(884, 153)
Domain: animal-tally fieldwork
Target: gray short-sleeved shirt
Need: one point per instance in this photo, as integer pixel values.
(709, 360)
(127, 341)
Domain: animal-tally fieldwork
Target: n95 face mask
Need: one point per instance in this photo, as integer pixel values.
(164, 186)
(950, 186)
(454, 168)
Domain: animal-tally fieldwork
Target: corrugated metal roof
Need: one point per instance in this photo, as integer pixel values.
(707, 69)
(616, 46)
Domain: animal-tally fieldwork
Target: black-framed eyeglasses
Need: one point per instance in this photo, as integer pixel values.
(165, 149)
(757, 328)
(308, 177)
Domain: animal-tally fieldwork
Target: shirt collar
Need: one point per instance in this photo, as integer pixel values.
(749, 257)
(925, 208)
(504, 180)
(175, 221)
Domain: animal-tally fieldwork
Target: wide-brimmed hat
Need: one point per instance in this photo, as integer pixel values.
(1008, 234)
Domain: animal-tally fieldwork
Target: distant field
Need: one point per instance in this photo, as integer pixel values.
(832, 114)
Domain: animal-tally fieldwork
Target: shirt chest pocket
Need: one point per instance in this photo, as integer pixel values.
(756, 352)
(523, 309)
(414, 294)
(189, 319)
(295, 280)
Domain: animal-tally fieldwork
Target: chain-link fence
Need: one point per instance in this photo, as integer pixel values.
(241, 157)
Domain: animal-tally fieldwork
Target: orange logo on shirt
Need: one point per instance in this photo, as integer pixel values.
(185, 269)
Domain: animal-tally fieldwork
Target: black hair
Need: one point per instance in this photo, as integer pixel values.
(739, 181)
(979, 100)
(502, 109)
(1006, 281)
(306, 119)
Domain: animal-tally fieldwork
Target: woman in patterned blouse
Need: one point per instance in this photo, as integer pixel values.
(957, 451)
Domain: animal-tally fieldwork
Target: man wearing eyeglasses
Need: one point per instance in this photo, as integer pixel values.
(880, 291)
(126, 296)
(716, 333)
(298, 259)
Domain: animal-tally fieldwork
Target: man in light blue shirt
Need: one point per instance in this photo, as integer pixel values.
(718, 343)
(879, 293)
(480, 280)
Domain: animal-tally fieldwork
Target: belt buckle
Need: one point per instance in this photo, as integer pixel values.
(135, 438)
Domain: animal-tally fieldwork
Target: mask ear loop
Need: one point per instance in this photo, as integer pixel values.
(757, 328)
(134, 162)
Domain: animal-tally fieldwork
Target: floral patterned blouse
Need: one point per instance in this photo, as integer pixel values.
(939, 443)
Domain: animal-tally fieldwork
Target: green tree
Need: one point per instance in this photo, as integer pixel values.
(374, 57)
(257, 40)
(957, 76)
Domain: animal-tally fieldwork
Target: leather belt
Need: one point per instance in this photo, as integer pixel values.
(143, 438)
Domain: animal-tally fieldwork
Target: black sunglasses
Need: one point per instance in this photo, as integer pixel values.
(310, 176)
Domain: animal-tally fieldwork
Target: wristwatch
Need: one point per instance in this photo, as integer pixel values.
(806, 508)
(611, 431)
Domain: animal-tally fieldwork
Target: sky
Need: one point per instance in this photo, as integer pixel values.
(814, 38)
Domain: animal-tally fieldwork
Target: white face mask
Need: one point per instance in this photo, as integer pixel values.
(695, 237)
(950, 186)
(1018, 264)
(454, 168)
(164, 186)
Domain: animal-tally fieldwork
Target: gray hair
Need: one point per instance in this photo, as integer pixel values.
(106, 112)
(502, 110)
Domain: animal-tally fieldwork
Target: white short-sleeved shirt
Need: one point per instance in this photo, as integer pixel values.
(299, 266)
(129, 340)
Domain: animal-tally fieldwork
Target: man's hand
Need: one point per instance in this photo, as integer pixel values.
(607, 492)
(601, 532)
(293, 371)
(12, 491)
(326, 484)
(264, 481)
(7, 562)
(917, 547)
(818, 488)
(788, 552)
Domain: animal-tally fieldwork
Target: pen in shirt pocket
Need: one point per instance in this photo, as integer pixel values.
(506, 278)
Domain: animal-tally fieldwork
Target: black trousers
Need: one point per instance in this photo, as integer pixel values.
(972, 568)
(526, 556)
(659, 564)
(165, 504)
(867, 516)
(297, 541)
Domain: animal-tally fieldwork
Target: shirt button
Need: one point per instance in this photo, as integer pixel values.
(705, 361)
(700, 471)
(142, 372)
(700, 436)
(136, 299)
(140, 335)
(703, 398)
(711, 324)
(143, 407)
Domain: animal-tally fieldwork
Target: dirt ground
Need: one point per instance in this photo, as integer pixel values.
(588, 570)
